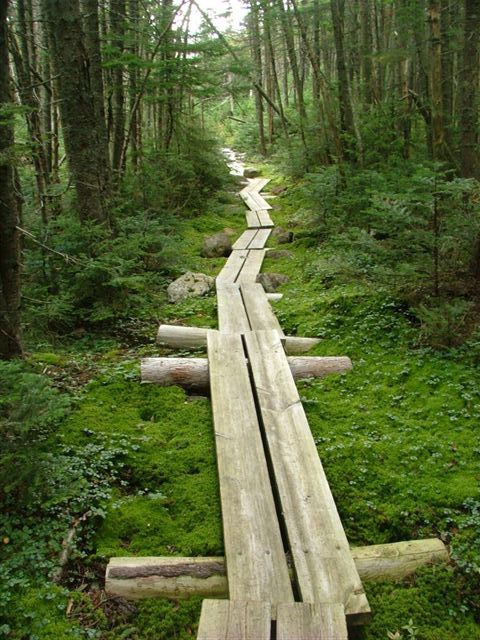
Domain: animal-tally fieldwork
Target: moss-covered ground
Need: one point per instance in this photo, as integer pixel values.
(398, 437)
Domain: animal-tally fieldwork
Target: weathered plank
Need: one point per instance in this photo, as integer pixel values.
(256, 565)
(260, 239)
(255, 202)
(252, 266)
(259, 311)
(176, 336)
(324, 565)
(245, 239)
(233, 620)
(232, 267)
(232, 317)
(173, 577)
(253, 221)
(264, 219)
(306, 621)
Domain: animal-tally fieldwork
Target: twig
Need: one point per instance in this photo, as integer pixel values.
(65, 256)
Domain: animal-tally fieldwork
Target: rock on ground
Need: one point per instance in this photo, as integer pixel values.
(271, 281)
(283, 236)
(190, 285)
(217, 246)
(279, 254)
(250, 172)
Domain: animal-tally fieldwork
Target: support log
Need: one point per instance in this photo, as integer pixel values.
(176, 578)
(195, 337)
(193, 373)
(273, 297)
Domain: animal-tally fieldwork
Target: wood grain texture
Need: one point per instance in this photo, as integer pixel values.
(245, 239)
(232, 317)
(176, 336)
(323, 562)
(253, 221)
(256, 564)
(260, 239)
(136, 578)
(233, 620)
(252, 266)
(264, 219)
(259, 311)
(233, 267)
(306, 621)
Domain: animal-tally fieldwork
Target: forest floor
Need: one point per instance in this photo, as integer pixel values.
(397, 437)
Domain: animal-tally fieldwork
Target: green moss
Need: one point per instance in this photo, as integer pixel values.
(164, 620)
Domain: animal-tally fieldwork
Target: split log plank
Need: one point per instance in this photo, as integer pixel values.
(233, 620)
(274, 297)
(306, 621)
(179, 337)
(255, 202)
(260, 239)
(245, 239)
(232, 317)
(253, 221)
(232, 267)
(324, 565)
(252, 266)
(173, 577)
(193, 373)
(259, 311)
(256, 564)
(255, 184)
(264, 219)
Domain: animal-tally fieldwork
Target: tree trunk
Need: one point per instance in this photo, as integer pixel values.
(438, 132)
(367, 50)
(10, 345)
(347, 125)
(89, 171)
(117, 22)
(469, 79)
(255, 44)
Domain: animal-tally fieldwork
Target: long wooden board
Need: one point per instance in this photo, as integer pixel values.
(232, 317)
(259, 312)
(260, 239)
(256, 564)
(253, 221)
(255, 202)
(252, 266)
(264, 219)
(233, 620)
(245, 239)
(232, 268)
(324, 566)
(305, 621)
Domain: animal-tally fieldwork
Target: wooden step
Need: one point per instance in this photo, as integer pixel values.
(252, 266)
(234, 620)
(306, 621)
(256, 564)
(324, 565)
(232, 268)
(259, 312)
(232, 317)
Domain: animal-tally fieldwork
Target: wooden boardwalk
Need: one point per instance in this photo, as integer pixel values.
(290, 572)
(276, 501)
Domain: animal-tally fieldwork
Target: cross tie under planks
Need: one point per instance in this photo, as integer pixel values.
(279, 516)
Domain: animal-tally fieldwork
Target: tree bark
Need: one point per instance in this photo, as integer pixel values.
(10, 344)
(117, 22)
(438, 132)
(255, 45)
(80, 131)
(469, 79)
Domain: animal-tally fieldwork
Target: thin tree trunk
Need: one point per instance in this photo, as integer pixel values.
(469, 80)
(438, 132)
(117, 22)
(10, 345)
(255, 44)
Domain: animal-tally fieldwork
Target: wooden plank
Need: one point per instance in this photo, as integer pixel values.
(252, 266)
(233, 620)
(262, 204)
(260, 240)
(252, 219)
(254, 184)
(261, 184)
(232, 317)
(245, 239)
(256, 564)
(264, 219)
(306, 621)
(324, 565)
(259, 311)
(232, 267)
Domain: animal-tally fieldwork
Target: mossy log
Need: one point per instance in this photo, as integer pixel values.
(169, 577)
(193, 373)
(195, 337)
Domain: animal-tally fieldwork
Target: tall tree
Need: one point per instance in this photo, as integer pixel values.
(256, 48)
(469, 79)
(438, 131)
(77, 109)
(117, 22)
(10, 344)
